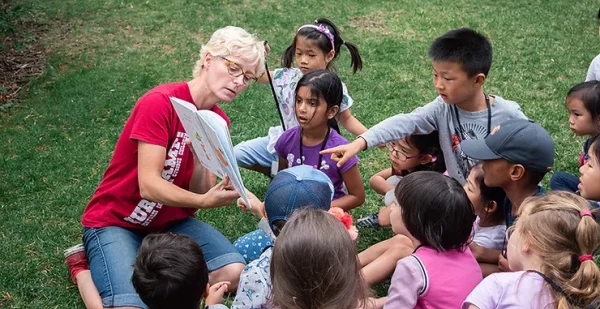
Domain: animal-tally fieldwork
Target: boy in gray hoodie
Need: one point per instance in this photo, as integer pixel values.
(463, 111)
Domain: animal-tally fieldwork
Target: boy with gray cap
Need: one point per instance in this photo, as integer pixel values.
(515, 156)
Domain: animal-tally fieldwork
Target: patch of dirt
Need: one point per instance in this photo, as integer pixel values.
(374, 22)
(22, 57)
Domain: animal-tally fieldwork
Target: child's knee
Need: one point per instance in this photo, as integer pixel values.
(230, 272)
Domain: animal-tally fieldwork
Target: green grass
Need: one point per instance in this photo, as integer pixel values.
(58, 140)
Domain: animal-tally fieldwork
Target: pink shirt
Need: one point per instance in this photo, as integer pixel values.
(431, 279)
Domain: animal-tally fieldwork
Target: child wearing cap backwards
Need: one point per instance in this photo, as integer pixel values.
(462, 111)
(292, 188)
(515, 156)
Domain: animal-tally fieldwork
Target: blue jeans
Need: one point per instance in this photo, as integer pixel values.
(562, 181)
(111, 251)
(254, 152)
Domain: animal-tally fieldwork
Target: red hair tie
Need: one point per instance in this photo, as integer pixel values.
(586, 257)
(585, 213)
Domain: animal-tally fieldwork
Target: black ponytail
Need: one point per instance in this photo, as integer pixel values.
(324, 44)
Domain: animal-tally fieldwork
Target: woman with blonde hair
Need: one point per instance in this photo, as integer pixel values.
(154, 184)
(550, 251)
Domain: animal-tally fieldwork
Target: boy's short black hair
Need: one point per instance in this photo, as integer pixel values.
(436, 210)
(465, 46)
(169, 271)
(534, 177)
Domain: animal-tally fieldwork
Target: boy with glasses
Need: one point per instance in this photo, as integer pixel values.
(416, 153)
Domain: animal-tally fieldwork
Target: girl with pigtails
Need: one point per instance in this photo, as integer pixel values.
(550, 251)
(314, 47)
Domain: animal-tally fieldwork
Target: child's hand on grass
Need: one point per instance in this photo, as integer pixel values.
(216, 292)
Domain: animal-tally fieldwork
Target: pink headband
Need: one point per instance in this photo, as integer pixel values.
(321, 29)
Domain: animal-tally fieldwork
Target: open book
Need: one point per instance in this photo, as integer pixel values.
(211, 142)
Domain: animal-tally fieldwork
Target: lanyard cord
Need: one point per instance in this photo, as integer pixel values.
(318, 166)
(274, 95)
(489, 122)
(556, 288)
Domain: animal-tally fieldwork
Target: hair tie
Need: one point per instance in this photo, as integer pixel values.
(346, 219)
(585, 213)
(322, 29)
(586, 257)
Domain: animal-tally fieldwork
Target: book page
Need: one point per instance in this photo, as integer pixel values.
(211, 142)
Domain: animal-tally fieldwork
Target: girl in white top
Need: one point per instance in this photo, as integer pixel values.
(550, 252)
(489, 228)
(315, 47)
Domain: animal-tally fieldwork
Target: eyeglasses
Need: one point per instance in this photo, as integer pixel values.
(235, 70)
(399, 154)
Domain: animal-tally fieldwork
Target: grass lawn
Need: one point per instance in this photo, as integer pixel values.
(58, 140)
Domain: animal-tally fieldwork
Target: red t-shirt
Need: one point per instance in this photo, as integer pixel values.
(117, 200)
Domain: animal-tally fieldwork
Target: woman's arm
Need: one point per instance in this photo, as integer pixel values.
(378, 181)
(356, 190)
(351, 124)
(154, 188)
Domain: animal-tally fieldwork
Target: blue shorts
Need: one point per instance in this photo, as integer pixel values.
(254, 152)
(111, 251)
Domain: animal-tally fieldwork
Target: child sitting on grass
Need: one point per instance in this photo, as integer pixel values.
(415, 153)
(583, 103)
(550, 250)
(314, 265)
(292, 188)
(169, 271)
(489, 228)
(441, 272)
(463, 110)
(318, 99)
(515, 157)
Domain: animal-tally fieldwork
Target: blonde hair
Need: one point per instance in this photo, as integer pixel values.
(237, 42)
(559, 234)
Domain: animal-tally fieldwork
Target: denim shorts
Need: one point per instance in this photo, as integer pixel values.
(254, 152)
(111, 251)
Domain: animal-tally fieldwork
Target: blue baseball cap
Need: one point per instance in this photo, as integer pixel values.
(520, 141)
(296, 187)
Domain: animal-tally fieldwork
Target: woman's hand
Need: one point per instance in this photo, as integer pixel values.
(216, 292)
(223, 194)
(256, 207)
(341, 154)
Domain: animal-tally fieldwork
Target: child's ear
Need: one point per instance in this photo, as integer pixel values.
(330, 55)
(517, 171)
(205, 295)
(333, 111)
(480, 79)
(426, 159)
(491, 207)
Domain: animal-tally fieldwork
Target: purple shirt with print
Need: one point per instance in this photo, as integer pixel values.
(288, 147)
